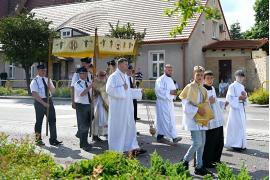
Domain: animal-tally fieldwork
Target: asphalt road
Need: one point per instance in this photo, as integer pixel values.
(17, 118)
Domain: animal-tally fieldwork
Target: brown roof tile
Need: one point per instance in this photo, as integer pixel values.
(143, 14)
(236, 44)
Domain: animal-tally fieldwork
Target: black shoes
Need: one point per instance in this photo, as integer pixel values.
(202, 171)
(97, 139)
(239, 149)
(177, 139)
(185, 164)
(55, 142)
(39, 142)
(87, 147)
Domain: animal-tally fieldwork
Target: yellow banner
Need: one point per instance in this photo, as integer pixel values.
(79, 47)
(115, 46)
(76, 47)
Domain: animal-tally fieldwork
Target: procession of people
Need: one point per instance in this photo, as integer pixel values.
(106, 110)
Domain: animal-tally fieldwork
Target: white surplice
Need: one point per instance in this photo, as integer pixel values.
(236, 125)
(217, 108)
(189, 112)
(165, 116)
(121, 125)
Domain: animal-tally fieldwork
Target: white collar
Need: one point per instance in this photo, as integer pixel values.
(118, 70)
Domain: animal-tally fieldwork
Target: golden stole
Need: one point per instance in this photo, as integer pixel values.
(190, 92)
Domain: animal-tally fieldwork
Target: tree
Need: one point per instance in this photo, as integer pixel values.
(261, 28)
(235, 31)
(126, 32)
(25, 41)
(187, 9)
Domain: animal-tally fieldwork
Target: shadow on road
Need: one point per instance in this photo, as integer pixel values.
(63, 152)
(252, 152)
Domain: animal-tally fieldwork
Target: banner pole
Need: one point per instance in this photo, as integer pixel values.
(49, 77)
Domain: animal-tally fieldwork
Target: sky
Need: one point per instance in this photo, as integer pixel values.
(239, 11)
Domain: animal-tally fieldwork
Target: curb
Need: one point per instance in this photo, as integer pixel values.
(152, 102)
(30, 97)
(177, 103)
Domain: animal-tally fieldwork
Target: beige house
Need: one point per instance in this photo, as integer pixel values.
(183, 52)
(225, 57)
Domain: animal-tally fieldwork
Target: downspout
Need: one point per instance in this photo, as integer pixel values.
(184, 64)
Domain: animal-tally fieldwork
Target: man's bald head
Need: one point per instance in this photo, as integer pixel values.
(168, 70)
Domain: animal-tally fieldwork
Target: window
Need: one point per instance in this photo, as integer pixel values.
(11, 71)
(214, 2)
(65, 33)
(157, 60)
(215, 30)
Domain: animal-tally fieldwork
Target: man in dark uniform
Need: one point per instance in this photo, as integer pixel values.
(86, 63)
(82, 98)
(39, 87)
(131, 83)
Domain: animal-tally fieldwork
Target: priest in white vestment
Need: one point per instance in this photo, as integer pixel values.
(236, 124)
(165, 117)
(121, 125)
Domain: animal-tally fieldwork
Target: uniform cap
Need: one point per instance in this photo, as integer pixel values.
(81, 70)
(41, 66)
(86, 60)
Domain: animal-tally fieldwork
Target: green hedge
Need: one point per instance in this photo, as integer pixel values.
(149, 94)
(260, 96)
(59, 92)
(13, 92)
(20, 160)
(62, 92)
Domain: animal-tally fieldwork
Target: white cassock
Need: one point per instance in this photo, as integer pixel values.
(121, 125)
(100, 122)
(165, 117)
(236, 125)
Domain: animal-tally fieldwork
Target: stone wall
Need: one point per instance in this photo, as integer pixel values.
(257, 72)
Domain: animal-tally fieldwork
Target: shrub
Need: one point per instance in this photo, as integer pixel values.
(19, 159)
(149, 94)
(19, 92)
(12, 92)
(224, 172)
(62, 92)
(260, 96)
(5, 91)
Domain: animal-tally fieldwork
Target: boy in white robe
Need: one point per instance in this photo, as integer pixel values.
(214, 140)
(121, 125)
(236, 124)
(165, 118)
(193, 95)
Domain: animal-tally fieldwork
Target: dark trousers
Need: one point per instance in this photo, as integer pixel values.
(135, 109)
(213, 146)
(40, 112)
(83, 112)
